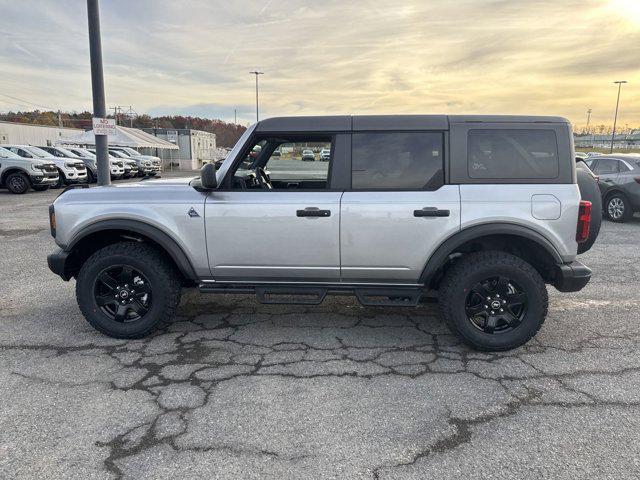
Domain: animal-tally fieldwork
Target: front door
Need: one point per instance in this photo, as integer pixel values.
(277, 220)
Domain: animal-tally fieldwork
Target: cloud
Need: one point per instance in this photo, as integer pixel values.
(331, 57)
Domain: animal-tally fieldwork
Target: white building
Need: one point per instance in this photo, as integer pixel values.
(195, 147)
(29, 134)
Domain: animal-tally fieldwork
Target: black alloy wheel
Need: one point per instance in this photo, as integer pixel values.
(122, 293)
(496, 305)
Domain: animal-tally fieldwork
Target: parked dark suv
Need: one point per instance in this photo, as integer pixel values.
(619, 181)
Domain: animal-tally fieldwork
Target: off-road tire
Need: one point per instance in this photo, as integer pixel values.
(17, 183)
(473, 268)
(164, 281)
(627, 212)
(590, 191)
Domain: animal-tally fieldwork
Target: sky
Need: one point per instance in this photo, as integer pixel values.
(328, 57)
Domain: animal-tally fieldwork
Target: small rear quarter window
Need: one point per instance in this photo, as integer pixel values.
(512, 154)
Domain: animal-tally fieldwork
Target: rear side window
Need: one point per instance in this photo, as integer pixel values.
(512, 154)
(397, 161)
(606, 166)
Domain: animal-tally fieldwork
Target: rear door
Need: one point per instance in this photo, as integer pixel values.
(398, 209)
(608, 172)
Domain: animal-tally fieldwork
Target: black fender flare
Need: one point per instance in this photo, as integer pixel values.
(139, 227)
(440, 255)
(11, 170)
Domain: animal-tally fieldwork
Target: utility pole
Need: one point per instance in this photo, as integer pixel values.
(588, 118)
(97, 87)
(256, 73)
(615, 118)
(235, 116)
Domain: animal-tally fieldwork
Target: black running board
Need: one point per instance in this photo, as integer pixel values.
(314, 295)
(291, 295)
(389, 297)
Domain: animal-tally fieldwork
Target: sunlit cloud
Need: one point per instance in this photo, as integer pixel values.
(331, 57)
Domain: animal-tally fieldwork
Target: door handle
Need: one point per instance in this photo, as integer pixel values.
(313, 212)
(431, 212)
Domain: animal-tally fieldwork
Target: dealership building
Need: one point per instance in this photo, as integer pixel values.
(195, 147)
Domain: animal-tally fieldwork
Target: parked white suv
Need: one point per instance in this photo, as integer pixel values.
(71, 170)
(19, 174)
(481, 211)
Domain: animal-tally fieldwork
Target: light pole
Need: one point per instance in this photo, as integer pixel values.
(615, 118)
(97, 87)
(588, 118)
(256, 73)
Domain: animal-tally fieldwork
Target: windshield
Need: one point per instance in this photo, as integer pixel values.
(66, 152)
(38, 152)
(131, 151)
(234, 152)
(4, 153)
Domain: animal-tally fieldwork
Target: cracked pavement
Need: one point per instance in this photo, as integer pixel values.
(236, 389)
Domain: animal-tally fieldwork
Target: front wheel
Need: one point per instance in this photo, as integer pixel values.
(127, 290)
(60, 182)
(618, 208)
(493, 300)
(18, 183)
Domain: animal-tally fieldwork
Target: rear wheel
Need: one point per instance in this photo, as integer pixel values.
(127, 290)
(617, 208)
(18, 183)
(493, 300)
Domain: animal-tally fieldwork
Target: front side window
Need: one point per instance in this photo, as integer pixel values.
(285, 164)
(512, 154)
(397, 161)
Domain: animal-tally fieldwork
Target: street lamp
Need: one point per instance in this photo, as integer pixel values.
(615, 118)
(256, 73)
(588, 118)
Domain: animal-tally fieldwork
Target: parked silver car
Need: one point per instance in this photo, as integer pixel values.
(483, 224)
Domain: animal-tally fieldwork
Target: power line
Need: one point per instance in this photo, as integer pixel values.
(26, 101)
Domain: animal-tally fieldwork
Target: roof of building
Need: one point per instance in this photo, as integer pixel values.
(124, 137)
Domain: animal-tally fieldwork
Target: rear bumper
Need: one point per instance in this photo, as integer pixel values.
(57, 262)
(571, 277)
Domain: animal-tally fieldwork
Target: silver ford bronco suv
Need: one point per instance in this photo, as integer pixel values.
(478, 211)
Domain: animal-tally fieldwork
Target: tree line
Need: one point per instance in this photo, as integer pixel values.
(226, 133)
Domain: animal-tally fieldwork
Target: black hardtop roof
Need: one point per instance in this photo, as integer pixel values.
(343, 123)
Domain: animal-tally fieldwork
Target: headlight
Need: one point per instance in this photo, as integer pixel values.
(147, 163)
(69, 165)
(36, 167)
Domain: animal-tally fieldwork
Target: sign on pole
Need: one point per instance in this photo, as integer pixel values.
(104, 126)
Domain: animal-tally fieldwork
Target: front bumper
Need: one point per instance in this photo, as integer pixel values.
(43, 180)
(57, 262)
(572, 276)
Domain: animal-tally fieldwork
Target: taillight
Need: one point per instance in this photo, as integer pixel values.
(584, 220)
(52, 220)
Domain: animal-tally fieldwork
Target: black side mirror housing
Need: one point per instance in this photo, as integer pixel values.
(208, 177)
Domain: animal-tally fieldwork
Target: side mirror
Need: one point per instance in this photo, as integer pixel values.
(208, 177)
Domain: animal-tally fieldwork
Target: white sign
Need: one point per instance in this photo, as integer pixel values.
(104, 126)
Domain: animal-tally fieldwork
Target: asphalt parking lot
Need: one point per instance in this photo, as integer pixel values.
(236, 389)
